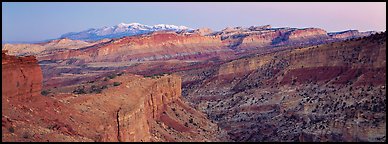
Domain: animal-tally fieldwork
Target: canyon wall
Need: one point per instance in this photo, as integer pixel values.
(21, 77)
(40, 49)
(157, 46)
(134, 121)
(350, 34)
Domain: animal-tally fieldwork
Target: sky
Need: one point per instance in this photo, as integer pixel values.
(48, 20)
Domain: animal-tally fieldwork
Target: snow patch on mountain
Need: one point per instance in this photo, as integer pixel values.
(121, 30)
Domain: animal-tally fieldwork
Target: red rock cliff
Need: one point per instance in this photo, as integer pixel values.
(149, 47)
(162, 93)
(21, 77)
(134, 120)
(350, 34)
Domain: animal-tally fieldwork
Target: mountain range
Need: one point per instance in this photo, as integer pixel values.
(121, 30)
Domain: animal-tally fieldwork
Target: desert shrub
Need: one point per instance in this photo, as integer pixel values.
(44, 92)
(112, 76)
(11, 129)
(293, 82)
(156, 75)
(121, 73)
(95, 89)
(79, 90)
(26, 135)
(116, 83)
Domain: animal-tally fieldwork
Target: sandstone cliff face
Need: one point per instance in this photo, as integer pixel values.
(308, 32)
(261, 40)
(270, 37)
(358, 54)
(21, 77)
(135, 114)
(157, 46)
(350, 34)
(258, 28)
(308, 35)
(161, 97)
(203, 31)
(41, 49)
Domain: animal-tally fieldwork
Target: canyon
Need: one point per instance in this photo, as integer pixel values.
(138, 109)
(238, 84)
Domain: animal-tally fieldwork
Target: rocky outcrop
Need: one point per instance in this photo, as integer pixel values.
(21, 77)
(258, 28)
(161, 97)
(267, 37)
(41, 49)
(350, 34)
(134, 119)
(261, 40)
(307, 35)
(132, 125)
(203, 31)
(308, 32)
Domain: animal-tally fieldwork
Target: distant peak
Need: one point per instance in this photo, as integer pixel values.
(130, 24)
(162, 25)
(170, 26)
(122, 24)
(135, 24)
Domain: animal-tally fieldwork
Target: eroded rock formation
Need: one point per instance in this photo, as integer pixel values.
(41, 49)
(350, 34)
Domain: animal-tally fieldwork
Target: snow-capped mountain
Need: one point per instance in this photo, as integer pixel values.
(121, 30)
